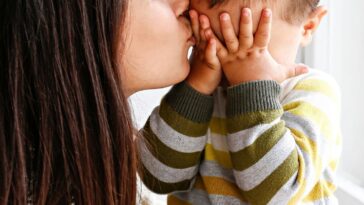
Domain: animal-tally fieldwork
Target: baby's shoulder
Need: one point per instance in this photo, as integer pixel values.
(313, 80)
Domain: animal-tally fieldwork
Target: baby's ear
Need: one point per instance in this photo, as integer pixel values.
(311, 23)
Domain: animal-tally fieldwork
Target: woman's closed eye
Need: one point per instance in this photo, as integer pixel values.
(184, 12)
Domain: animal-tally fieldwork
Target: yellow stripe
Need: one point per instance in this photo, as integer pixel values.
(301, 182)
(219, 186)
(172, 200)
(221, 157)
(321, 190)
(317, 85)
(305, 143)
(308, 111)
(309, 147)
(333, 165)
(218, 126)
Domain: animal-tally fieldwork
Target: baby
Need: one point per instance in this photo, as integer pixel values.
(247, 126)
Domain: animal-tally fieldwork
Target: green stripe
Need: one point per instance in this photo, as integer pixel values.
(242, 122)
(181, 124)
(250, 155)
(166, 155)
(265, 191)
(160, 187)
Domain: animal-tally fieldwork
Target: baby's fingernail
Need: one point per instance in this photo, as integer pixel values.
(246, 12)
(224, 16)
(208, 33)
(267, 13)
(191, 13)
(212, 41)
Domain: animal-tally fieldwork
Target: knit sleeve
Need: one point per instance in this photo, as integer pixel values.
(173, 139)
(284, 152)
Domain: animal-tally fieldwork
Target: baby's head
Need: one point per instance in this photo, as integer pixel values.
(294, 21)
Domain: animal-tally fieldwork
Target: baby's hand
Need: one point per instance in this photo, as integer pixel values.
(247, 58)
(206, 71)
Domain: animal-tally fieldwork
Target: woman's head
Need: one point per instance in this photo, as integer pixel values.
(156, 44)
(65, 127)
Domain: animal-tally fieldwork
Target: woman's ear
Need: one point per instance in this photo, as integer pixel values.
(310, 25)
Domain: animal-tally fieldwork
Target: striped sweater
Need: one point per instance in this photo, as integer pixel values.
(255, 143)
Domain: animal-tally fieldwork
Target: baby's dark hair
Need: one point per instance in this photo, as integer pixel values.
(293, 12)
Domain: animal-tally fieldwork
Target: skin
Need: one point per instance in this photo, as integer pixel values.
(155, 54)
(281, 46)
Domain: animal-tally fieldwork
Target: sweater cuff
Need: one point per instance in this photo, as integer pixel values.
(190, 103)
(253, 96)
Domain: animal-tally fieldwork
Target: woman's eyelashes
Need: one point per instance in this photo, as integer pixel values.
(185, 11)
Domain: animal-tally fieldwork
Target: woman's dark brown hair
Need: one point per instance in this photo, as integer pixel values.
(65, 127)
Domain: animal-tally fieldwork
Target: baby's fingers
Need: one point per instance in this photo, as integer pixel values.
(195, 25)
(262, 35)
(246, 38)
(227, 30)
(204, 25)
(211, 56)
(221, 51)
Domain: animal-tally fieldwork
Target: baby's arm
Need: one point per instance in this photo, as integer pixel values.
(174, 136)
(173, 139)
(281, 153)
(284, 153)
(205, 74)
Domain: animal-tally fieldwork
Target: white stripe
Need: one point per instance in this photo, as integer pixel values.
(313, 74)
(173, 139)
(318, 100)
(251, 177)
(194, 197)
(242, 139)
(223, 199)
(161, 171)
(325, 149)
(218, 141)
(211, 168)
(201, 197)
(332, 200)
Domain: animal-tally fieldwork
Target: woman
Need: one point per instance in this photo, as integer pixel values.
(66, 70)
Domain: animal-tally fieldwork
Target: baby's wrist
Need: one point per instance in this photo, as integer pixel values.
(246, 79)
(201, 87)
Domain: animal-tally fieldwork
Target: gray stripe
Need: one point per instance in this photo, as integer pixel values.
(220, 199)
(236, 142)
(306, 127)
(312, 132)
(194, 196)
(200, 197)
(211, 168)
(251, 177)
(332, 200)
(174, 139)
(161, 171)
